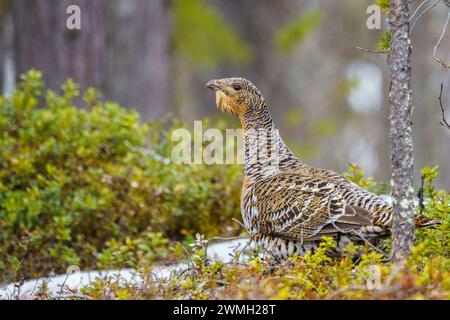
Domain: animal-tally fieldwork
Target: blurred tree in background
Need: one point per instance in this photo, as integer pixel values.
(3, 16)
(328, 98)
(138, 49)
(42, 41)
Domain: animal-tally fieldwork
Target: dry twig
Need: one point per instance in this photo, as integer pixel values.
(444, 65)
(418, 9)
(420, 195)
(72, 295)
(443, 122)
(423, 12)
(372, 51)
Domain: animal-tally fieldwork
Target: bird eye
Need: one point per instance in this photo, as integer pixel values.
(236, 86)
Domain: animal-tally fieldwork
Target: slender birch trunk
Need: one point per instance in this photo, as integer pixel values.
(400, 135)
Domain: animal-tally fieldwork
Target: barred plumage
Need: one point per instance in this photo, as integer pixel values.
(287, 206)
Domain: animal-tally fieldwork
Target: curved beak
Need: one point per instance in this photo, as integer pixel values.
(213, 85)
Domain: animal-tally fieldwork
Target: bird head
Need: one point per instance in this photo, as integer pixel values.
(235, 95)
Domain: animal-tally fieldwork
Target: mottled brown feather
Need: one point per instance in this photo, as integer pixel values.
(289, 206)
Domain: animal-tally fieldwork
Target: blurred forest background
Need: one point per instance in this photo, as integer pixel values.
(328, 98)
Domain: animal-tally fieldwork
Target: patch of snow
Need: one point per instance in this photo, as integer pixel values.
(217, 251)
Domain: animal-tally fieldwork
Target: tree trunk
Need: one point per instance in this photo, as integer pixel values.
(3, 12)
(139, 61)
(400, 135)
(122, 48)
(43, 41)
(2, 52)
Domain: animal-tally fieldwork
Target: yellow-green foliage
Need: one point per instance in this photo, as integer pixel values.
(436, 206)
(357, 174)
(383, 4)
(297, 30)
(202, 34)
(384, 43)
(79, 182)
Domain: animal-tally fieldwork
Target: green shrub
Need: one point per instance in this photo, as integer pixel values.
(77, 180)
(356, 174)
(437, 206)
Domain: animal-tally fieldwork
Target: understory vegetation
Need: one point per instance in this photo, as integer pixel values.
(89, 185)
(83, 182)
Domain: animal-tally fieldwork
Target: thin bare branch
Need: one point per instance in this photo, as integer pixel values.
(418, 9)
(423, 12)
(435, 58)
(420, 195)
(64, 283)
(221, 239)
(372, 51)
(338, 292)
(70, 296)
(238, 222)
(444, 122)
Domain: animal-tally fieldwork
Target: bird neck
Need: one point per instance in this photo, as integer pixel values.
(265, 152)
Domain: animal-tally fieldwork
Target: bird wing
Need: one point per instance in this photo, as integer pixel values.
(293, 206)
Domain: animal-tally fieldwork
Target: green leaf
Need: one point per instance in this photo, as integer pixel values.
(384, 43)
(383, 4)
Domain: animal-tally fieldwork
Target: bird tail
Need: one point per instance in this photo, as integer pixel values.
(421, 221)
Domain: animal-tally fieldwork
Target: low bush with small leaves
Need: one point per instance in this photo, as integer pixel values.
(84, 182)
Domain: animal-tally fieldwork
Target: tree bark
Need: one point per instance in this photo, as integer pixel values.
(2, 53)
(43, 41)
(123, 48)
(139, 57)
(400, 133)
(3, 12)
